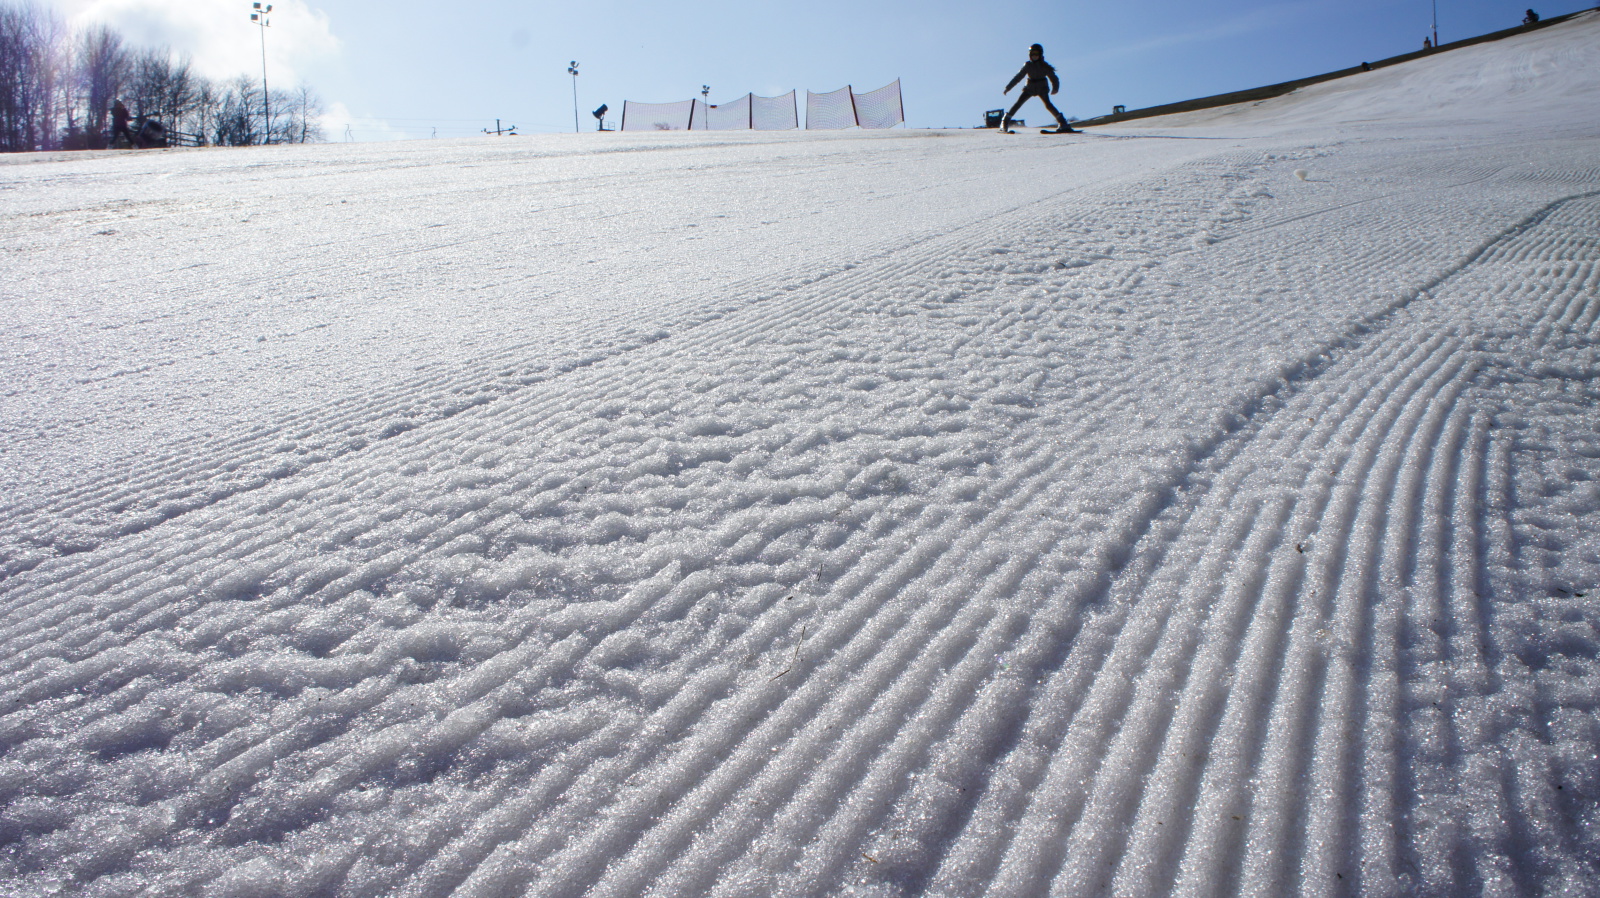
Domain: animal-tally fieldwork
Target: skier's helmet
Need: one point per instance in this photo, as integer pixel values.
(1036, 48)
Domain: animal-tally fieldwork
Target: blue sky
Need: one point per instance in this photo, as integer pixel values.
(409, 68)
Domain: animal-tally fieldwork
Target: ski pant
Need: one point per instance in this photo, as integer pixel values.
(1043, 93)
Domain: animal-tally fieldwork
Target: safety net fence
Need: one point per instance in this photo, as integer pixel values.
(842, 108)
(830, 111)
(754, 113)
(658, 116)
(774, 113)
(733, 116)
(748, 112)
(880, 108)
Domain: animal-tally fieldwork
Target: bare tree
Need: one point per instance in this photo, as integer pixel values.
(178, 102)
(305, 116)
(16, 77)
(312, 111)
(162, 88)
(57, 88)
(31, 44)
(207, 107)
(104, 67)
(51, 41)
(235, 124)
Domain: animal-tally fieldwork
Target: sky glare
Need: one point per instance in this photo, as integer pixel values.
(413, 69)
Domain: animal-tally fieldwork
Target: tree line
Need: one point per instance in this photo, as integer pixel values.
(57, 86)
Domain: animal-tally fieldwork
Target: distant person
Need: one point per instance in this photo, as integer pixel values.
(119, 123)
(1530, 18)
(1042, 82)
(1427, 43)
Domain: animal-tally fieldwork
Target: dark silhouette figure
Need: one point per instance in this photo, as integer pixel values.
(1042, 82)
(1530, 18)
(119, 124)
(1427, 43)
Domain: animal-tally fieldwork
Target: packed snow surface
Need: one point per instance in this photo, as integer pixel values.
(1206, 508)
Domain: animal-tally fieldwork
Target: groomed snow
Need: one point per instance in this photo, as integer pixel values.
(1204, 507)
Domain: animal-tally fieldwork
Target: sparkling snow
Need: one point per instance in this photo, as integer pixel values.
(1208, 506)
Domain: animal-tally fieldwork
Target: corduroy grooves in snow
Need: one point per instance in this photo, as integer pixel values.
(1205, 508)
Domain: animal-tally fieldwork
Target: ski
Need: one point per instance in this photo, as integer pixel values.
(1059, 131)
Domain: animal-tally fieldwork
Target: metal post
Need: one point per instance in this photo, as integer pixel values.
(572, 69)
(266, 93)
(1436, 24)
(259, 17)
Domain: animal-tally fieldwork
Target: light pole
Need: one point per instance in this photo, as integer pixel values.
(705, 93)
(259, 16)
(572, 69)
(1435, 23)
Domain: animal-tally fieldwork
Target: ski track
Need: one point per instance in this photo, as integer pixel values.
(175, 484)
(897, 642)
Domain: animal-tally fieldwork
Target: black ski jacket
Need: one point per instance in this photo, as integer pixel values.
(1038, 72)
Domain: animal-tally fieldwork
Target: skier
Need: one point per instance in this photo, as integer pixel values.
(1531, 18)
(1042, 82)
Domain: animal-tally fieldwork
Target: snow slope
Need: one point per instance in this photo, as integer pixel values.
(1204, 508)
